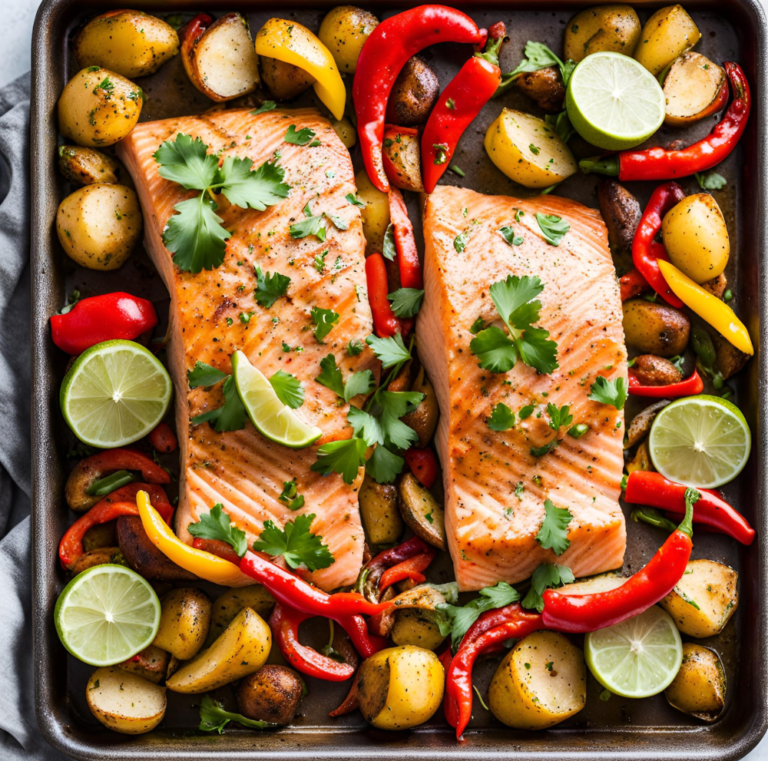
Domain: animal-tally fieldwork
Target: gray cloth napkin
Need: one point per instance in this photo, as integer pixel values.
(19, 736)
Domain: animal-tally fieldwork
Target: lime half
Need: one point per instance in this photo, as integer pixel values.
(700, 441)
(107, 614)
(115, 393)
(638, 657)
(614, 102)
(271, 417)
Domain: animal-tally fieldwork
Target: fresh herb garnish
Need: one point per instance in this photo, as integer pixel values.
(270, 287)
(344, 457)
(288, 388)
(300, 137)
(460, 241)
(537, 56)
(553, 534)
(441, 153)
(354, 200)
(552, 227)
(406, 302)
(331, 377)
(231, 415)
(613, 392)
(213, 717)
(324, 320)
(216, 524)
(546, 576)
(388, 249)
(290, 495)
(508, 233)
(710, 180)
(312, 225)
(355, 347)
(204, 375)
(502, 418)
(267, 105)
(296, 543)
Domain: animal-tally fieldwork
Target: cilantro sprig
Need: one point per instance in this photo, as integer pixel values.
(553, 534)
(214, 717)
(231, 415)
(406, 302)
(537, 56)
(270, 287)
(290, 495)
(216, 524)
(331, 376)
(296, 543)
(546, 576)
(613, 392)
(289, 389)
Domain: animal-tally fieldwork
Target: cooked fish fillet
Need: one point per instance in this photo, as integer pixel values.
(495, 489)
(242, 470)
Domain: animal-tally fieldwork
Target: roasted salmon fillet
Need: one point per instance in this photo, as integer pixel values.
(242, 470)
(495, 489)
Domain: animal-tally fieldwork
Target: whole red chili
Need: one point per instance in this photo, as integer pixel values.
(423, 465)
(579, 614)
(394, 41)
(163, 439)
(408, 569)
(666, 164)
(654, 490)
(458, 105)
(632, 284)
(102, 318)
(405, 242)
(385, 323)
(645, 250)
(692, 385)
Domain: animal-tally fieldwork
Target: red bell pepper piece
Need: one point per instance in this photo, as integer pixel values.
(692, 385)
(163, 439)
(458, 105)
(408, 569)
(102, 318)
(405, 242)
(423, 465)
(191, 32)
(645, 250)
(221, 549)
(385, 323)
(653, 490)
(579, 614)
(666, 164)
(632, 284)
(394, 41)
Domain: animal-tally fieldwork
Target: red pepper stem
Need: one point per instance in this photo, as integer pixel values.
(496, 35)
(692, 496)
(608, 165)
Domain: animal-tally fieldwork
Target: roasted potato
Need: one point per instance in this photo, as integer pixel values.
(150, 664)
(130, 43)
(101, 535)
(184, 622)
(667, 34)
(422, 513)
(717, 285)
(241, 650)
(418, 628)
(422, 597)
(87, 166)
(528, 151)
(729, 359)
(696, 237)
(694, 88)
(344, 31)
(423, 419)
(228, 605)
(621, 212)
(378, 509)
(271, 694)
(604, 28)
(641, 460)
(346, 132)
(651, 370)
(541, 682)
(375, 214)
(400, 687)
(640, 426)
(544, 87)
(99, 556)
(705, 598)
(699, 687)
(98, 225)
(142, 555)
(655, 328)
(125, 702)
(415, 91)
(284, 80)
(402, 158)
(98, 107)
(604, 582)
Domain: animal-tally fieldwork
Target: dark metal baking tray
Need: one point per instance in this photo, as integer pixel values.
(617, 729)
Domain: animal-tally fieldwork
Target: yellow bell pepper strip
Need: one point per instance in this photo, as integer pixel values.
(293, 43)
(203, 564)
(710, 308)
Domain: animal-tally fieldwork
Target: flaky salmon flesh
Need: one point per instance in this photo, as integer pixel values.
(242, 470)
(495, 489)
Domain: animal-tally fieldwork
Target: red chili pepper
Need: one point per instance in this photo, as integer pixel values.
(579, 614)
(385, 323)
(163, 439)
(423, 465)
(458, 105)
(692, 385)
(653, 490)
(394, 555)
(365, 643)
(405, 242)
(217, 547)
(102, 318)
(666, 164)
(192, 31)
(632, 284)
(394, 41)
(645, 250)
(408, 569)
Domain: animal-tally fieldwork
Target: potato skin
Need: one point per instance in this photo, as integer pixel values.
(150, 664)
(655, 371)
(98, 107)
(693, 89)
(700, 685)
(271, 694)
(142, 556)
(346, 132)
(423, 419)
(402, 158)
(544, 87)
(604, 28)
(667, 34)
(229, 604)
(621, 212)
(375, 214)
(87, 166)
(98, 225)
(98, 556)
(378, 509)
(654, 328)
(124, 702)
(344, 31)
(729, 359)
(284, 80)
(416, 503)
(184, 622)
(413, 627)
(415, 91)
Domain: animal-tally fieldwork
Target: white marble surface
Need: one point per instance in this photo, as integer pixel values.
(18, 17)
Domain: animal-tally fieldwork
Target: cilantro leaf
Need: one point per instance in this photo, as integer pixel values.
(195, 235)
(354, 200)
(553, 534)
(710, 180)
(290, 495)
(343, 457)
(460, 242)
(213, 717)
(495, 350)
(393, 405)
(613, 392)
(361, 382)
(388, 249)
(187, 162)
(406, 302)
(383, 466)
(355, 347)
(324, 319)
(338, 222)
(366, 426)
(319, 262)
(330, 375)
(267, 105)
(300, 137)
(288, 388)
(508, 233)
(204, 375)
(390, 351)
(296, 543)
(537, 56)
(559, 417)
(552, 227)
(231, 415)
(502, 418)
(477, 326)
(257, 189)
(312, 225)
(545, 448)
(546, 576)
(216, 524)
(270, 287)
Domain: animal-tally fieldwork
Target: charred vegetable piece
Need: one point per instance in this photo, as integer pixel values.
(654, 328)
(621, 212)
(423, 419)
(142, 556)
(87, 166)
(414, 93)
(544, 87)
(694, 88)
(421, 511)
(378, 508)
(150, 664)
(271, 694)
(651, 370)
(641, 423)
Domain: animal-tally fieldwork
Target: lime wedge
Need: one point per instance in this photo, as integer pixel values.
(614, 102)
(115, 393)
(107, 614)
(271, 417)
(638, 657)
(700, 441)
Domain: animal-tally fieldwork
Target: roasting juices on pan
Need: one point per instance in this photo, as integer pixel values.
(342, 391)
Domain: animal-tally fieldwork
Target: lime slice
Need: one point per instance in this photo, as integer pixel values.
(115, 393)
(271, 417)
(613, 101)
(638, 657)
(700, 441)
(107, 614)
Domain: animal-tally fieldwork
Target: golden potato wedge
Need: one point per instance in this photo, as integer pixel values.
(541, 682)
(98, 107)
(184, 622)
(705, 598)
(241, 650)
(271, 694)
(228, 605)
(414, 93)
(696, 237)
(378, 509)
(655, 328)
(694, 87)
(99, 556)
(125, 702)
(699, 687)
(603, 28)
(130, 43)
(344, 31)
(88, 166)
(422, 513)
(284, 80)
(402, 158)
(528, 151)
(418, 628)
(640, 426)
(150, 664)
(424, 418)
(375, 214)
(400, 687)
(102, 535)
(346, 132)
(667, 34)
(604, 582)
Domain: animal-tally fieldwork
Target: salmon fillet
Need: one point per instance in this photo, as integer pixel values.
(242, 470)
(491, 524)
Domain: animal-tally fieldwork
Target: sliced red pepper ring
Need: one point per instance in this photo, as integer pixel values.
(412, 569)
(692, 385)
(385, 322)
(350, 703)
(405, 242)
(368, 582)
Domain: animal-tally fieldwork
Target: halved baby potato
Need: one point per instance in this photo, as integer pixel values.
(693, 88)
(423, 514)
(344, 31)
(605, 582)
(150, 664)
(418, 628)
(346, 131)
(667, 34)
(541, 682)
(284, 80)
(229, 604)
(699, 687)
(184, 622)
(375, 214)
(402, 158)
(125, 702)
(528, 150)
(603, 28)
(87, 166)
(378, 509)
